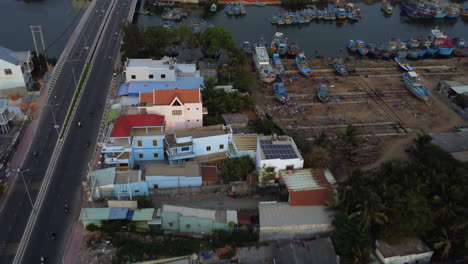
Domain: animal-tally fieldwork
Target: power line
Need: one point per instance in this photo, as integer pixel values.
(66, 29)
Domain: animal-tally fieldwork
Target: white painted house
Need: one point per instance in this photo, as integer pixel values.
(279, 152)
(408, 251)
(199, 144)
(167, 176)
(182, 108)
(157, 70)
(15, 72)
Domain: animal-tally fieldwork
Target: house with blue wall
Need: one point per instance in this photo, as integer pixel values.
(160, 176)
(199, 144)
(134, 138)
(110, 183)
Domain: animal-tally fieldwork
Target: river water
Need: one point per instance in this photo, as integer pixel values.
(59, 17)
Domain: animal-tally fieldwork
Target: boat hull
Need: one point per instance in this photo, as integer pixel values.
(444, 51)
(412, 90)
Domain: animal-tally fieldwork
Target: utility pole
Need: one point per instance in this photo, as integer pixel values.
(38, 29)
(35, 46)
(25, 186)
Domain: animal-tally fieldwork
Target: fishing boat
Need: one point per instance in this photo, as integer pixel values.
(278, 65)
(213, 7)
(403, 64)
(260, 4)
(413, 53)
(341, 13)
(439, 12)
(386, 7)
(415, 85)
(351, 45)
(144, 12)
(322, 92)
(242, 8)
(303, 65)
(361, 47)
(263, 65)
(453, 11)
(374, 50)
(280, 92)
(441, 42)
(173, 14)
(417, 9)
(229, 9)
(292, 49)
(246, 47)
(340, 67)
(464, 11)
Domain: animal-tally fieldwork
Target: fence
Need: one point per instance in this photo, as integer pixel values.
(190, 190)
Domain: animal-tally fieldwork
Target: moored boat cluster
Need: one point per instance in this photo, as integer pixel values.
(313, 13)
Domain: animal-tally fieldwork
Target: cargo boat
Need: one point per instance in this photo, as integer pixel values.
(415, 85)
(263, 65)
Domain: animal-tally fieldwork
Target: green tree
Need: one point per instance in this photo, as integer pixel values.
(131, 41)
(351, 242)
(245, 81)
(3, 188)
(266, 175)
(319, 157)
(145, 202)
(216, 38)
(236, 169)
(156, 39)
(349, 137)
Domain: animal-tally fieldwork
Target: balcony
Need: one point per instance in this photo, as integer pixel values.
(174, 154)
(117, 158)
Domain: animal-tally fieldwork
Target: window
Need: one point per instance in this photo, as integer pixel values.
(8, 71)
(197, 108)
(140, 155)
(155, 155)
(139, 143)
(187, 226)
(137, 191)
(198, 120)
(188, 120)
(163, 76)
(208, 148)
(176, 112)
(155, 143)
(171, 224)
(150, 76)
(188, 108)
(221, 146)
(290, 167)
(184, 148)
(133, 77)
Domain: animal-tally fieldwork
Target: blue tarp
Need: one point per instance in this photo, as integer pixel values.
(135, 88)
(118, 213)
(129, 215)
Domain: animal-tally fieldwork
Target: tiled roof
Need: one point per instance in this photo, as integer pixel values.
(304, 179)
(165, 97)
(146, 97)
(124, 124)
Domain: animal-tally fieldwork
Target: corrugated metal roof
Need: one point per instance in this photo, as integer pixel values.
(6, 55)
(137, 87)
(460, 89)
(304, 180)
(88, 214)
(187, 211)
(118, 213)
(145, 214)
(188, 169)
(245, 142)
(281, 214)
(231, 216)
(103, 176)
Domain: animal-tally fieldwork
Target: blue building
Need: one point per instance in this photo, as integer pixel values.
(110, 183)
(135, 138)
(166, 176)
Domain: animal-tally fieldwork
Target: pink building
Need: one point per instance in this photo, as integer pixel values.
(181, 108)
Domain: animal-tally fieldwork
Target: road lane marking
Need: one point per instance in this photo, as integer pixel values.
(9, 249)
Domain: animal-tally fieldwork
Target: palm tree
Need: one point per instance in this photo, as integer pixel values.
(444, 243)
(370, 211)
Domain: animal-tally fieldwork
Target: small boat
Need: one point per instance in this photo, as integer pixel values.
(278, 65)
(453, 11)
(352, 46)
(243, 11)
(374, 50)
(260, 4)
(340, 67)
(413, 53)
(464, 11)
(292, 49)
(280, 92)
(403, 64)
(144, 12)
(415, 85)
(386, 7)
(246, 47)
(341, 13)
(303, 65)
(361, 47)
(322, 92)
(213, 7)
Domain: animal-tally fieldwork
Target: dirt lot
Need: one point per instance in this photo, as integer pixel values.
(374, 99)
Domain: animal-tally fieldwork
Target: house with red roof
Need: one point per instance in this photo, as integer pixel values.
(182, 108)
(133, 139)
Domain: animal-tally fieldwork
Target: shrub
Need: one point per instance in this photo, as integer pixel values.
(92, 228)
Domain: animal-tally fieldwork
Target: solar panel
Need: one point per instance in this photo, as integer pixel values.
(277, 151)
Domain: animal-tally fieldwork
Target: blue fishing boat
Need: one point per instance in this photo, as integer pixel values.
(361, 47)
(340, 67)
(341, 13)
(246, 47)
(352, 46)
(280, 92)
(322, 92)
(413, 53)
(460, 43)
(229, 9)
(453, 11)
(303, 65)
(441, 42)
(260, 4)
(439, 12)
(278, 65)
(415, 85)
(374, 50)
(243, 11)
(403, 64)
(292, 49)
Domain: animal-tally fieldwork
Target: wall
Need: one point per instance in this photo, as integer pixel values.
(172, 181)
(288, 232)
(170, 221)
(408, 259)
(132, 205)
(136, 188)
(191, 190)
(179, 121)
(310, 197)
(200, 144)
(147, 148)
(15, 81)
(142, 74)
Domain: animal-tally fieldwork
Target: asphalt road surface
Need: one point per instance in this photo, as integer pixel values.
(65, 185)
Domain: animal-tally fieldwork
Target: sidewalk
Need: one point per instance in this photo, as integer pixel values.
(73, 250)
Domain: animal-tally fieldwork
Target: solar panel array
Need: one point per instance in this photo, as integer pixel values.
(277, 151)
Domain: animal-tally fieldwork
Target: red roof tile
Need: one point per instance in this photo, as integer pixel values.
(185, 96)
(124, 123)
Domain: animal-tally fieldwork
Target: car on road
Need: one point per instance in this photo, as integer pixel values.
(115, 35)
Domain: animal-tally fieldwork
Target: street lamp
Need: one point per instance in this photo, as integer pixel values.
(25, 186)
(56, 126)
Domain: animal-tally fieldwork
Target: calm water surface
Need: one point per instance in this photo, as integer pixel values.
(326, 36)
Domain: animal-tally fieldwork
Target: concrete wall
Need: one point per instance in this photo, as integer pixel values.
(192, 115)
(123, 204)
(136, 188)
(288, 232)
(14, 83)
(279, 164)
(172, 181)
(200, 144)
(142, 74)
(191, 190)
(147, 148)
(408, 259)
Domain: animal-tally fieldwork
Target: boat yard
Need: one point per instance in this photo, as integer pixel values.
(373, 99)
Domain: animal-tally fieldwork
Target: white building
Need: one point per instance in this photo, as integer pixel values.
(281, 221)
(181, 108)
(15, 72)
(167, 176)
(243, 145)
(409, 251)
(200, 144)
(279, 152)
(157, 70)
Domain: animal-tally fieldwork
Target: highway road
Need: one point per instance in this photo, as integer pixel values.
(65, 185)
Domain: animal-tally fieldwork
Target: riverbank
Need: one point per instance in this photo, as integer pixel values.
(251, 2)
